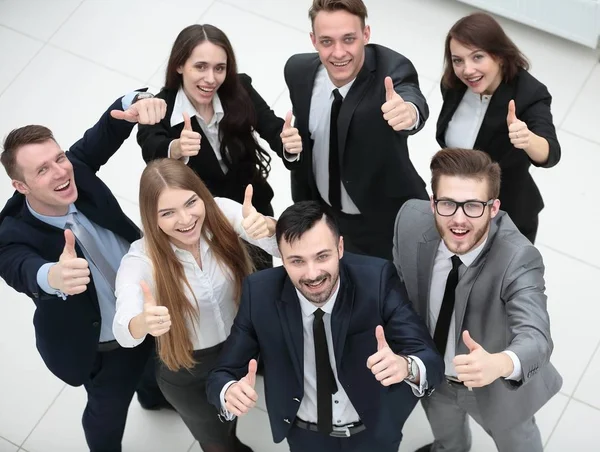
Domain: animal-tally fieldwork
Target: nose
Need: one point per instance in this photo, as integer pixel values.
(338, 51)
(459, 215)
(312, 271)
(210, 77)
(184, 217)
(468, 68)
(59, 171)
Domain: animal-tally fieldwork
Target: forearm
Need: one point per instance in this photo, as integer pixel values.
(137, 327)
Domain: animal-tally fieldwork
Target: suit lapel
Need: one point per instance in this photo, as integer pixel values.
(452, 98)
(305, 84)
(425, 259)
(342, 312)
(364, 79)
(291, 323)
(495, 118)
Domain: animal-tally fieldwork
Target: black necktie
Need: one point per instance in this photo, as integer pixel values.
(442, 327)
(335, 185)
(325, 380)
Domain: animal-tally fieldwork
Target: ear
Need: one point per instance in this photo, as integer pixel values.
(366, 34)
(313, 39)
(432, 205)
(20, 186)
(180, 70)
(494, 208)
(341, 247)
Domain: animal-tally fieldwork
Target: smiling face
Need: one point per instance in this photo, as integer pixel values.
(475, 68)
(459, 232)
(313, 262)
(203, 73)
(48, 180)
(181, 216)
(340, 39)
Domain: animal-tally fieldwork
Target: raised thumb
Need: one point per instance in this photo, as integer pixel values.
(148, 297)
(69, 248)
(380, 335)
(247, 205)
(469, 342)
(389, 89)
(251, 376)
(288, 120)
(512, 113)
(187, 122)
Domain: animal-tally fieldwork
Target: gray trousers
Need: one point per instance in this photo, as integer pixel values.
(447, 410)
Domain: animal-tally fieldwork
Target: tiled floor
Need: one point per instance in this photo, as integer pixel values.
(65, 61)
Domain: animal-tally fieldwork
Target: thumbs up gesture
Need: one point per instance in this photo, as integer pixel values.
(387, 367)
(518, 132)
(240, 397)
(290, 137)
(256, 225)
(480, 368)
(71, 274)
(188, 143)
(156, 319)
(144, 111)
(398, 114)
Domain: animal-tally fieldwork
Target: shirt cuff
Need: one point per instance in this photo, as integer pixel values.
(290, 157)
(184, 159)
(517, 373)
(42, 280)
(419, 391)
(416, 124)
(127, 99)
(226, 414)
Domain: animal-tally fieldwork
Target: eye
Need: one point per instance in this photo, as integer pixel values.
(42, 170)
(220, 69)
(322, 257)
(192, 202)
(166, 214)
(201, 67)
(478, 57)
(297, 261)
(349, 40)
(61, 158)
(456, 61)
(326, 42)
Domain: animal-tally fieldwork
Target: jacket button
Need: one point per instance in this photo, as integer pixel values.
(95, 324)
(287, 421)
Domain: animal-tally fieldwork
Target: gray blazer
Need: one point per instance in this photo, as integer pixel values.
(500, 299)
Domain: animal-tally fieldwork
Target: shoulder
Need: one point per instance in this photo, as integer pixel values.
(415, 211)
(369, 269)
(529, 87)
(385, 58)
(267, 282)
(300, 61)
(510, 246)
(12, 209)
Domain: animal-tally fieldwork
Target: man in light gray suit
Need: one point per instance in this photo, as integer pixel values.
(479, 285)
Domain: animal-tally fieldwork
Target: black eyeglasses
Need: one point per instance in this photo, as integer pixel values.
(472, 209)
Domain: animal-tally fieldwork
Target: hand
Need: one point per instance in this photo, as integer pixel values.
(518, 132)
(144, 111)
(256, 225)
(240, 397)
(188, 143)
(480, 368)
(156, 319)
(398, 114)
(387, 367)
(71, 274)
(290, 137)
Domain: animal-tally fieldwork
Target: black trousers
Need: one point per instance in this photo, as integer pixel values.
(115, 377)
(301, 440)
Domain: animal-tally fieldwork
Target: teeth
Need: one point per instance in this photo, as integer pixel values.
(341, 64)
(206, 90)
(65, 185)
(459, 231)
(188, 229)
(476, 79)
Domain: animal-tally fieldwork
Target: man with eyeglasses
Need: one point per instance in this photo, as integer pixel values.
(479, 285)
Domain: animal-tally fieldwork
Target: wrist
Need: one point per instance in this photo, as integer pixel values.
(176, 149)
(271, 225)
(137, 326)
(505, 364)
(53, 279)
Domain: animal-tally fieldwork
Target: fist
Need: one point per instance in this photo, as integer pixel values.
(71, 274)
(156, 318)
(188, 143)
(398, 114)
(290, 137)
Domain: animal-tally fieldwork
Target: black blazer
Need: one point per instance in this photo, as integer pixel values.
(67, 332)
(519, 195)
(374, 163)
(269, 321)
(155, 140)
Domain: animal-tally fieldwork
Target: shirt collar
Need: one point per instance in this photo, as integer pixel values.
(468, 258)
(203, 244)
(58, 222)
(309, 309)
(329, 86)
(183, 105)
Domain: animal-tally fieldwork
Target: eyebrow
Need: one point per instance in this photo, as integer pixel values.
(474, 51)
(302, 257)
(172, 208)
(347, 35)
(207, 63)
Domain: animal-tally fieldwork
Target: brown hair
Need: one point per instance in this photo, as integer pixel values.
(18, 138)
(354, 7)
(175, 347)
(482, 31)
(466, 163)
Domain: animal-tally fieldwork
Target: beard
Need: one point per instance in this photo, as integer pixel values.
(459, 247)
(320, 297)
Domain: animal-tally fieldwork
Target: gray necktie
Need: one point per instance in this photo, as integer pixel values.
(87, 242)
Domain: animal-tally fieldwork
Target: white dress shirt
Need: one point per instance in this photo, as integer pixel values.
(211, 286)
(441, 268)
(464, 126)
(211, 129)
(343, 412)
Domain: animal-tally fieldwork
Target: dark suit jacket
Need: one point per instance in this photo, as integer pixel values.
(519, 194)
(155, 140)
(374, 163)
(270, 322)
(67, 332)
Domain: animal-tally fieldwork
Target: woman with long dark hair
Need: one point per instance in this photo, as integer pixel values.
(212, 112)
(492, 103)
(182, 283)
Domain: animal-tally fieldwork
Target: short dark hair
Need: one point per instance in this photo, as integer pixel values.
(15, 140)
(354, 7)
(467, 163)
(482, 31)
(301, 217)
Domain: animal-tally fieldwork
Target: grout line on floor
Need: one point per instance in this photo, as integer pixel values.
(270, 19)
(575, 258)
(43, 415)
(576, 97)
(192, 446)
(576, 135)
(588, 404)
(9, 441)
(557, 422)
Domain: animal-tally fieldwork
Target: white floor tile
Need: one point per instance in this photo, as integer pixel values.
(27, 388)
(6, 446)
(577, 430)
(293, 13)
(16, 50)
(37, 18)
(133, 45)
(146, 431)
(572, 304)
(569, 191)
(583, 116)
(588, 390)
